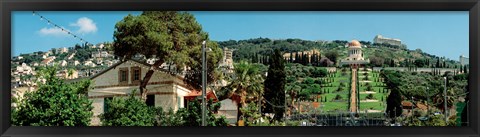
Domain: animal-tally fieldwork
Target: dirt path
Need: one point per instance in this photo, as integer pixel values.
(353, 97)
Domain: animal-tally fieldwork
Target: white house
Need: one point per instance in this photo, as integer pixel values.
(63, 63)
(89, 63)
(119, 80)
(48, 61)
(101, 46)
(100, 54)
(73, 62)
(62, 50)
(24, 69)
(71, 56)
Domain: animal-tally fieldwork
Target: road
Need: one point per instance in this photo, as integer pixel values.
(353, 96)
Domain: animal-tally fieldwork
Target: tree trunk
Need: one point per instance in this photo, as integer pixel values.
(146, 79)
(239, 112)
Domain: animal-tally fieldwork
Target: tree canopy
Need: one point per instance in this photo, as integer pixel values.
(54, 103)
(171, 37)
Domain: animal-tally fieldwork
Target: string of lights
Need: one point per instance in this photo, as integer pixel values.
(50, 22)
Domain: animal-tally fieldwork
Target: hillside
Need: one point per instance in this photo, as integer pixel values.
(379, 54)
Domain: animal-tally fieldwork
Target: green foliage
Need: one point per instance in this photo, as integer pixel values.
(251, 115)
(171, 37)
(128, 112)
(192, 115)
(54, 103)
(247, 82)
(332, 55)
(275, 86)
(370, 96)
(167, 118)
(309, 80)
(133, 112)
(421, 119)
(338, 97)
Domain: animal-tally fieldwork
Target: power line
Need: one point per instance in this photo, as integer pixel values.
(50, 22)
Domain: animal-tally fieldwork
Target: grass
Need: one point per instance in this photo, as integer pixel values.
(377, 96)
(372, 105)
(331, 96)
(375, 89)
(332, 106)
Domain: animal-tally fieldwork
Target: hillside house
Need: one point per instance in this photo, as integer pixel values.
(119, 80)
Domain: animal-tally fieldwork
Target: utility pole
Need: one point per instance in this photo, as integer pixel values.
(204, 82)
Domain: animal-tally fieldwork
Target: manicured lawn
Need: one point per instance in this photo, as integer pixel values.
(375, 89)
(331, 96)
(372, 105)
(378, 96)
(332, 106)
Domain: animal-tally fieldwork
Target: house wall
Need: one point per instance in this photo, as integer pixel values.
(228, 109)
(97, 104)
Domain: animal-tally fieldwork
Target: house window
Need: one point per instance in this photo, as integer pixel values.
(136, 73)
(106, 101)
(123, 76)
(150, 100)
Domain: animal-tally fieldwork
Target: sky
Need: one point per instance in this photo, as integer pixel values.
(438, 33)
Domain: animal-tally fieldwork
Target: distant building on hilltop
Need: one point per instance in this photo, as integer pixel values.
(62, 50)
(464, 60)
(227, 60)
(384, 40)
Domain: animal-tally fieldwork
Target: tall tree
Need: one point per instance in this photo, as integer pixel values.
(332, 55)
(275, 86)
(438, 63)
(392, 79)
(169, 36)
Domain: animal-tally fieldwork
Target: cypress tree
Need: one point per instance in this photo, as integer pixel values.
(438, 63)
(275, 85)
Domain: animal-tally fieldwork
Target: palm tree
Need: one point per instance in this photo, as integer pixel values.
(246, 85)
(293, 91)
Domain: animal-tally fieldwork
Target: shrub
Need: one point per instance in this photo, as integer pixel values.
(370, 96)
(338, 97)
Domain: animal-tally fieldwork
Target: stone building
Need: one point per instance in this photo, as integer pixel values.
(464, 60)
(380, 39)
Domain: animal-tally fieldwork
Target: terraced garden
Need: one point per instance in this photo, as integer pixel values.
(337, 85)
(373, 92)
(332, 90)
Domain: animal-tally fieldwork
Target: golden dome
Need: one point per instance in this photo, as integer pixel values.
(354, 43)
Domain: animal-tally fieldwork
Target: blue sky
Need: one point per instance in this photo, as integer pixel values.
(438, 33)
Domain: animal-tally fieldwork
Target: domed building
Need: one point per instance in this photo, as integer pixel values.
(355, 55)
